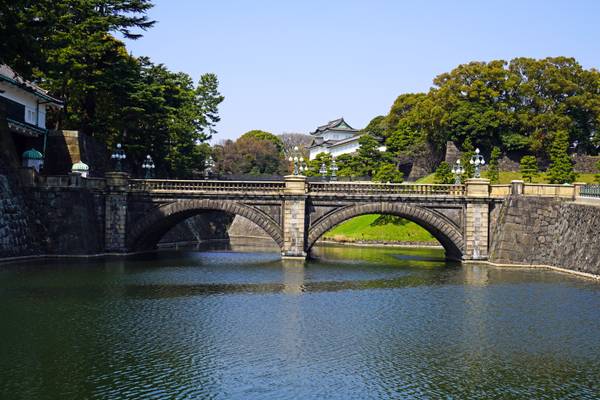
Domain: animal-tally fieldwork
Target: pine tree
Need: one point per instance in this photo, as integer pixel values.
(443, 174)
(388, 172)
(493, 172)
(529, 168)
(561, 167)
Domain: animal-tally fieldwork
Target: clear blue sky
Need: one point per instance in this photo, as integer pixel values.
(289, 66)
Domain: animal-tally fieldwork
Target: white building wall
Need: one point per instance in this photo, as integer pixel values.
(349, 147)
(30, 102)
(336, 135)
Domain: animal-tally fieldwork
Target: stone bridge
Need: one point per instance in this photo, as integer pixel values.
(295, 213)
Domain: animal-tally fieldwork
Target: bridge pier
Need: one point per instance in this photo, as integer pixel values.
(477, 219)
(294, 218)
(115, 223)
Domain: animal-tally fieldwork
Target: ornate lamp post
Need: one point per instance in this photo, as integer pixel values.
(323, 171)
(458, 171)
(148, 166)
(209, 163)
(118, 155)
(303, 167)
(297, 161)
(478, 161)
(334, 169)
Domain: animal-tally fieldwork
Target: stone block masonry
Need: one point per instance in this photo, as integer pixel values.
(548, 231)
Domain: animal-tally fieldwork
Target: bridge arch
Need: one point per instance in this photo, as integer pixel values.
(147, 231)
(446, 232)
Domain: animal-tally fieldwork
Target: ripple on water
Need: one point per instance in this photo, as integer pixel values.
(243, 326)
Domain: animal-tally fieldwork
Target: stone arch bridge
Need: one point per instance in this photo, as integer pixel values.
(296, 213)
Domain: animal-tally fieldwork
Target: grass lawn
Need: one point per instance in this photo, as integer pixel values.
(361, 228)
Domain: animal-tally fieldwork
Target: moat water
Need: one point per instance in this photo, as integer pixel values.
(357, 323)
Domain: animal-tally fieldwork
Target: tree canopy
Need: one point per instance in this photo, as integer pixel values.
(68, 47)
(515, 105)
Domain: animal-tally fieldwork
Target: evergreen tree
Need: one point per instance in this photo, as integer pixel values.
(314, 165)
(493, 173)
(529, 168)
(443, 174)
(387, 172)
(561, 169)
(368, 157)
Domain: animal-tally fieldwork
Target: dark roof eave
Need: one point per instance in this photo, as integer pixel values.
(44, 96)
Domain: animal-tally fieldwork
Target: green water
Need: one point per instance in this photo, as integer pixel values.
(357, 323)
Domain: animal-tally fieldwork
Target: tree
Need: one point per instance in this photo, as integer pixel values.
(443, 174)
(208, 99)
(347, 165)
(37, 34)
(314, 165)
(529, 168)
(291, 140)
(493, 173)
(248, 155)
(388, 172)
(376, 126)
(368, 157)
(561, 169)
(269, 137)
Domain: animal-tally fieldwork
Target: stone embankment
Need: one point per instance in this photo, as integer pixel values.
(547, 231)
(16, 236)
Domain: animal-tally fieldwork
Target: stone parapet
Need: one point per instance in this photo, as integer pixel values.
(477, 187)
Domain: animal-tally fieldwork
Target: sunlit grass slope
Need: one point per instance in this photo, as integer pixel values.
(362, 228)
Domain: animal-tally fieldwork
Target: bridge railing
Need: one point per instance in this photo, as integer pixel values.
(548, 190)
(205, 186)
(592, 191)
(370, 188)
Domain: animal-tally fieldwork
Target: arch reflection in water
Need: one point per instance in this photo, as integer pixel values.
(371, 324)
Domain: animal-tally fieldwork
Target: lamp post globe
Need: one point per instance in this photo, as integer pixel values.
(334, 168)
(323, 171)
(148, 166)
(478, 161)
(458, 171)
(118, 156)
(209, 163)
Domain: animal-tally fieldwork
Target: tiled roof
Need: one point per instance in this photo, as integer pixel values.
(7, 74)
(333, 125)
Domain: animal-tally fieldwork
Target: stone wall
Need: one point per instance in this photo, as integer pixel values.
(72, 220)
(68, 147)
(547, 231)
(586, 164)
(17, 238)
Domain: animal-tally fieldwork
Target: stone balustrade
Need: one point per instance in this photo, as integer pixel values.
(372, 188)
(573, 191)
(205, 186)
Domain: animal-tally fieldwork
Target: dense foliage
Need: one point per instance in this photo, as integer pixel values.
(493, 172)
(68, 47)
(516, 105)
(254, 153)
(443, 174)
(529, 168)
(561, 168)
